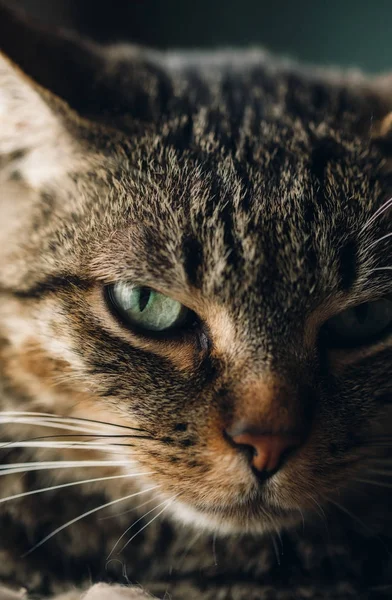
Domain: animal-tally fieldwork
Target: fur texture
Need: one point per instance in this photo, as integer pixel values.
(247, 189)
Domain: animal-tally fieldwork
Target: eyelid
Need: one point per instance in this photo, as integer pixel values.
(344, 341)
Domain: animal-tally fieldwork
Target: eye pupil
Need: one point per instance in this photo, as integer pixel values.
(144, 298)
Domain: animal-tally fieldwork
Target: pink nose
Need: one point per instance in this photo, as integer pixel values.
(268, 449)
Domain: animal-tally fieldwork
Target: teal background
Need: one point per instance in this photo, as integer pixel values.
(345, 32)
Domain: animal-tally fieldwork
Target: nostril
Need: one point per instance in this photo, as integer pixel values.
(267, 452)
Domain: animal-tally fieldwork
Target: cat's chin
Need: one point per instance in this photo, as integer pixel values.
(230, 523)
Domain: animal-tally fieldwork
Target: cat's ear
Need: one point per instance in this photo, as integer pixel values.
(53, 63)
(69, 72)
(55, 87)
(382, 131)
(385, 129)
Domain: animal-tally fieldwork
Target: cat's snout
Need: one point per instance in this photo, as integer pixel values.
(268, 450)
(271, 420)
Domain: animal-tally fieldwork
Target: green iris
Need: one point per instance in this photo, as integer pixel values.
(146, 308)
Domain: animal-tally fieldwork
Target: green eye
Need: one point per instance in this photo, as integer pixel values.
(360, 325)
(146, 308)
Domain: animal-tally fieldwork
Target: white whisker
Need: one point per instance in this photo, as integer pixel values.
(86, 514)
(132, 526)
(126, 512)
(214, 556)
(384, 237)
(381, 269)
(37, 417)
(64, 445)
(49, 423)
(302, 518)
(377, 214)
(170, 501)
(275, 546)
(319, 509)
(380, 471)
(348, 513)
(187, 549)
(66, 485)
(28, 413)
(369, 482)
(14, 468)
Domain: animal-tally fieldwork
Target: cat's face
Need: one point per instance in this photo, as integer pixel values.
(246, 198)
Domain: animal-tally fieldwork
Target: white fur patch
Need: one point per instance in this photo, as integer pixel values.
(27, 123)
(103, 591)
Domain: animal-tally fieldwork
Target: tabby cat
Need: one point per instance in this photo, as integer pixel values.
(195, 324)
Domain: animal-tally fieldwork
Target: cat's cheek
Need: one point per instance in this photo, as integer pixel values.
(35, 358)
(41, 323)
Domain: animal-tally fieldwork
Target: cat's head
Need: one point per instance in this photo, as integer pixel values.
(197, 247)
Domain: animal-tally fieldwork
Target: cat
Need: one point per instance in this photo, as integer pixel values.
(195, 324)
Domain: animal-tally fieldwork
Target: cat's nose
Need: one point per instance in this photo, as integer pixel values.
(268, 451)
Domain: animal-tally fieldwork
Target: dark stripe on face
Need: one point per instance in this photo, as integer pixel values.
(348, 265)
(232, 247)
(192, 251)
(49, 285)
(325, 151)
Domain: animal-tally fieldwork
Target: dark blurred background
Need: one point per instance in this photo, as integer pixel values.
(340, 32)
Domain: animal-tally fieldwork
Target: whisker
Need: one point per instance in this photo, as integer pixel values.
(369, 482)
(68, 419)
(275, 547)
(71, 463)
(86, 514)
(71, 484)
(359, 521)
(377, 214)
(93, 435)
(381, 588)
(302, 518)
(180, 562)
(96, 439)
(319, 509)
(11, 469)
(27, 413)
(381, 269)
(64, 445)
(384, 237)
(43, 423)
(214, 556)
(90, 432)
(131, 527)
(149, 522)
(349, 514)
(125, 512)
(380, 438)
(380, 459)
(380, 471)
